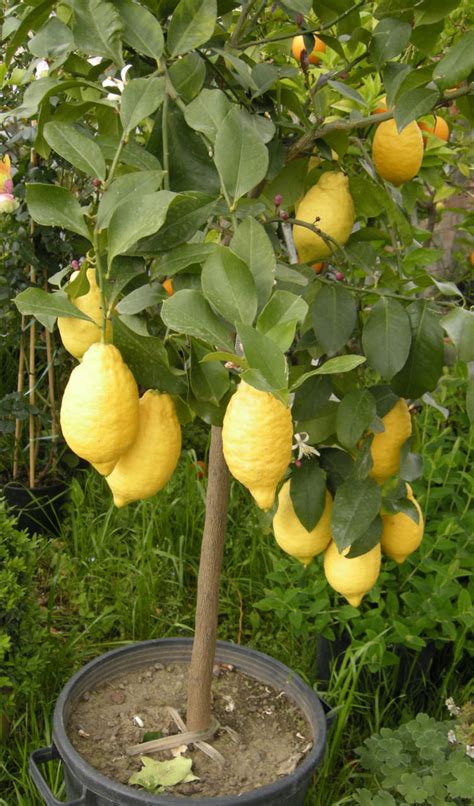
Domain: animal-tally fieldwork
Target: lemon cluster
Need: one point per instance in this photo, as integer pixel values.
(134, 441)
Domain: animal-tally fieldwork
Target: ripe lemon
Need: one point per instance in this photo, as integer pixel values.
(401, 535)
(99, 409)
(439, 129)
(298, 45)
(353, 577)
(386, 445)
(77, 335)
(291, 535)
(397, 156)
(150, 461)
(256, 435)
(330, 202)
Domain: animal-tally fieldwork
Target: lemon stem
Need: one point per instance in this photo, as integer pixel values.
(212, 551)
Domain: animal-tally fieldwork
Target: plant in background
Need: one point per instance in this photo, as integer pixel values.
(183, 166)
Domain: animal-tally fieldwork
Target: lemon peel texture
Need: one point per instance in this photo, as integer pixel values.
(256, 435)
(291, 535)
(353, 577)
(401, 535)
(397, 156)
(331, 202)
(77, 335)
(386, 445)
(151, 460)
(99, 409)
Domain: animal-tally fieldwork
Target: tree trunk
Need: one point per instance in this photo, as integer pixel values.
(212, 550)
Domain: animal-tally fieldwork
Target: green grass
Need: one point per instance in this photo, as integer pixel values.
(115, 576)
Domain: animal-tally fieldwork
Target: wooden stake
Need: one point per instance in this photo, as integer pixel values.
(32, 399)
(212, 551)
(19, 387)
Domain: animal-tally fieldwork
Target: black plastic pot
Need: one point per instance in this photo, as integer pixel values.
(85, 786)
(39, 510)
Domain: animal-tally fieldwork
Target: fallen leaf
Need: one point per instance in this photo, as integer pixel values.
(156, 775)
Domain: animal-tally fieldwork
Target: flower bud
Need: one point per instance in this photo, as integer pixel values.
(277, 200)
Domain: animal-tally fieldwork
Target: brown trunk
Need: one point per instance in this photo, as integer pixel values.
(212, 550)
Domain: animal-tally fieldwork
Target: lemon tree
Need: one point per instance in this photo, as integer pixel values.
(220, 161)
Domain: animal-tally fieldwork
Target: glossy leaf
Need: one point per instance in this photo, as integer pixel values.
(311, 397)
(338, 466)
(280, 316)
(424, 365)
(35, 301)
(470, 400)
(389, 39)
(457, 64)
(413, 104)
(141, 29)
(147, 358)
(265, 356)
(206, 112)
(191, 25)
(54, 40)
(356, 505)
(334, 317)
(187, 212)
(143, 297)
(241, 157)
(54, 206)
(188, 312)
(343, 363)
(81, 151)
(140, 99)
(251, 243)
(308, 493)
(182, 257)
(386, 337)
(130, 223)
(125, 189)
(459, 325)
(97, 29)
(209, 380)
(187, 75)
(228, 285)
(368, 540)
(355, 414)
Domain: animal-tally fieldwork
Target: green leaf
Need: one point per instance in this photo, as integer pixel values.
(81, 151)
(459, 325)
(187, 76)
(140, 98)
(130, 223)
(338, 466)
(348, 92)
(36, 302)
(209, 380)
(470, 400)
(389, 39)
(147, 358)
(191, 25)
(356, 505)
(322, 426)
(124, 270)
(97, 29)
(280, 316)
(264, 355)
(80, 284)
(54, 206)
(424, 365)
(141, 29)
(430, 11)
(311, 397)
(308, 493)
(367, 199)
(126, 188)
(355, 414)
(457, 64)
(188, 254)
(187, 212)
(188, 312)
(156, 775)
(228, 285)
(240, 156)
(133, 154)
(413, 104)
(334, 317)
(386, 337)
(141, 298)
(206, 112)
(220, 355)
(251, 243)
(368, 540)
(53, 41)
(31, 21)
(343, 363)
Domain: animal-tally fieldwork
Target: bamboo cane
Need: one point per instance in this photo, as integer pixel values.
(19, 387)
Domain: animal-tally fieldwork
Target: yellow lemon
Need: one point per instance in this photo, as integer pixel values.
(330, 202)
(352, 577)
(386, 445)
(256, 435)
(150, 461)
(397, 156)
(99, 409)
(401, 535)
(77, 335)
(291, 535)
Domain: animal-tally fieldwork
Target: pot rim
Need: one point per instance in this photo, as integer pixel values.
(101, 785)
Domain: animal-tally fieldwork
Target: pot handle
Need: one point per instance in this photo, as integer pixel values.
(41, 756)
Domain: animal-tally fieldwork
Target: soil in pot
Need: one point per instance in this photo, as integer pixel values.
(268, 734)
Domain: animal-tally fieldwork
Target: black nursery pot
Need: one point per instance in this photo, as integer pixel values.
(39, 510)
(85, 786)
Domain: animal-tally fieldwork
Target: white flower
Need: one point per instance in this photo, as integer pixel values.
(470, 750)
(453, 709)
(42, 69)
(95, 60)
(119, 83)
(451, 737)
(8, 203)
(303, 450)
